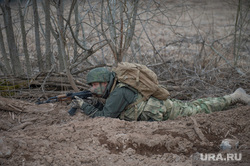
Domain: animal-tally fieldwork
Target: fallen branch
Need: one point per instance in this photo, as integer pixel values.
(29, 120)
(21, 126)
(15, 105)
(198, 131)
(15, 108)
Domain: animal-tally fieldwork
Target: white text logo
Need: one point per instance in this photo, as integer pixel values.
(220, 157)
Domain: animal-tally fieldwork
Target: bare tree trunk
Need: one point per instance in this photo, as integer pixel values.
(15, 61)
(59, 50)
(131, 15)
(3, 69)
(60, 57)
(77, 29)
(3, 51)
(48, 53)
(37, 36)
(61, 28)
(98, 33)
(121, 26)
(23, 32)
(62, 40)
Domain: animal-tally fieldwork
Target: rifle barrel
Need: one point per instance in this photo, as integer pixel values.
(67, 96)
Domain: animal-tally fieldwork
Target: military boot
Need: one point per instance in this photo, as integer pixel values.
(239, 96)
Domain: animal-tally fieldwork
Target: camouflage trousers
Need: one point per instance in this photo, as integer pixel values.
(158, 110)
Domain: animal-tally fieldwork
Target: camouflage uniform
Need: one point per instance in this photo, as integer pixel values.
(127, 104)
(158, 110)
(205, 105)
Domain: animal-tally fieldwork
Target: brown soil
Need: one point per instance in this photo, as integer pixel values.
(52, 137)
(47, 135)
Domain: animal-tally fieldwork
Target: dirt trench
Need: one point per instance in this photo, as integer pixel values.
(52, 137)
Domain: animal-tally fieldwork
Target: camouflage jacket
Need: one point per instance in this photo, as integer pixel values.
(116, 102)
(127, 104)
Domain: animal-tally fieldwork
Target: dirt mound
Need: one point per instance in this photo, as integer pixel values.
(52, 137)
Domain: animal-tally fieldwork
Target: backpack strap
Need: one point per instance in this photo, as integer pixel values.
(114, 84)
(132, 104)
(137, 102)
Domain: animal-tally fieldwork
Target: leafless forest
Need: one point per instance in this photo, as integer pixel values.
(192, 45)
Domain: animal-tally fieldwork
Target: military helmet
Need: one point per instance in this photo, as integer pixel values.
(99, 74)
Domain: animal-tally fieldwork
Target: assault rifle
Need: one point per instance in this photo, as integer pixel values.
(67, 97)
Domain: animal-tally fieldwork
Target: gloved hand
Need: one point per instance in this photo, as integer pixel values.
(77, 102)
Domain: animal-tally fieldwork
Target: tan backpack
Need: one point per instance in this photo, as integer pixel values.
(142, 79)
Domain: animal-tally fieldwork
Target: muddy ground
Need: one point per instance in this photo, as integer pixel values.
(47, 135)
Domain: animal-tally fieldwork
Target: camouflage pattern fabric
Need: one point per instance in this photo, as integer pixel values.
(132, 113)
(99, 74)
(159, 110)
(178, 108)
(154, 110)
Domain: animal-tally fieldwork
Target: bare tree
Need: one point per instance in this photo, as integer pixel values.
(3, 69)
(61, 32)
(48, 53)
(13, 51)
(62, 39)
(77, 29)
(96, 23)
(37, 35)
(6, 64)
(119, 18)
(23, 32)
(58, 57)
(242, 21)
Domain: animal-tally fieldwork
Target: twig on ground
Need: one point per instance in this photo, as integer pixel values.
(21, 126)
(198, 131)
